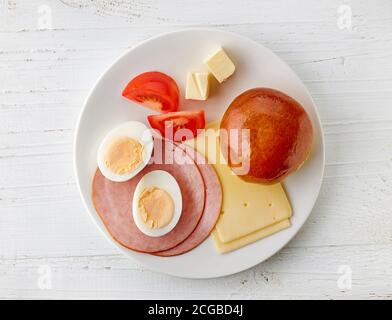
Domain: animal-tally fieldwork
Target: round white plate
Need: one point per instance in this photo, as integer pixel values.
(177, 53)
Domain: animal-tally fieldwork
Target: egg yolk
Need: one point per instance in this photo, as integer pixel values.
(123, 155)
(156, 207)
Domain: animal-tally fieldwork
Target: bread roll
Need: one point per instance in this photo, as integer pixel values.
(280, 135)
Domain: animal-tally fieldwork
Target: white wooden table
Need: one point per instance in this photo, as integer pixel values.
(51, 53)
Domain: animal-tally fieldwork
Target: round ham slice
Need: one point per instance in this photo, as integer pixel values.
(113, 202)
(212, 208)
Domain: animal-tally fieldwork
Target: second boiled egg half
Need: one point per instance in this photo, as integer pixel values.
(125, 151)
(157, 203)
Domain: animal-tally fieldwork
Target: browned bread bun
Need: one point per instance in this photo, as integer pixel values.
(280, 134)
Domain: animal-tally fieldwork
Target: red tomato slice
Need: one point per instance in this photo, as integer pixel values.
(154, 90)
(169, 124)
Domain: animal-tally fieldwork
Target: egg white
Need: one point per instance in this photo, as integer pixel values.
(163, 180)
(132, 129)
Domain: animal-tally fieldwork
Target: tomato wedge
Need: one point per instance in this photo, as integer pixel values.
(178, 126)
(154, 90)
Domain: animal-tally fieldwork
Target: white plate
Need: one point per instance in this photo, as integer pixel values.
(175, 54)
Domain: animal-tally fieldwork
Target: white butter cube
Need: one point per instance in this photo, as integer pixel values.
(220, 65)
(197, 85)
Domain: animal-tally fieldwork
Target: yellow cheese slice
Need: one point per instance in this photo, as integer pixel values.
(250, 238)
(250, 207)
(246, 207)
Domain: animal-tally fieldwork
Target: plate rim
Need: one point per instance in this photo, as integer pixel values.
(90, 94)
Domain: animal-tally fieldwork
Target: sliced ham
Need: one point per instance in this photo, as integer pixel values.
(113, 202)
(211, 211)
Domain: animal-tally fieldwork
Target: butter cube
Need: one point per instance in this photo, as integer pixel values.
(197, 86)
(220, 65)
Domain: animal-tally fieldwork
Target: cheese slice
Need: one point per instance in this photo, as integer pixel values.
(246, 207)
(197, 86)
(220, 65)
(250, 238)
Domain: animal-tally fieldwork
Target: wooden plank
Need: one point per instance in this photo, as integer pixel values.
(46, 74)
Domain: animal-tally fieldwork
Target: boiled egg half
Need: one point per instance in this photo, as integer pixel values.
(125, 151)
(157, 203)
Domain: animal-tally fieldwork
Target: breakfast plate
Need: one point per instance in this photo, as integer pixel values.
(176, 54)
